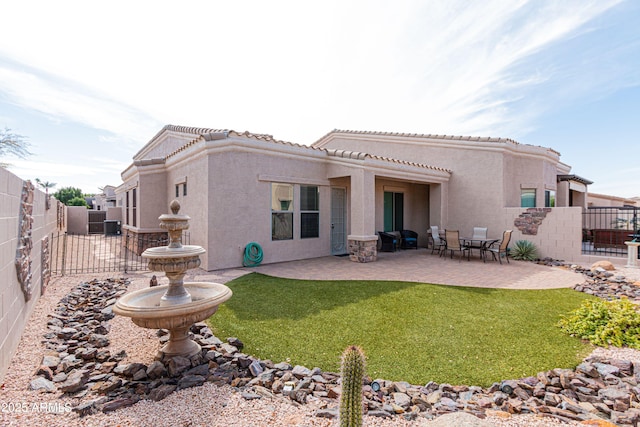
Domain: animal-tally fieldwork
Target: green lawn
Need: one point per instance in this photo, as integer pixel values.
(409, 331)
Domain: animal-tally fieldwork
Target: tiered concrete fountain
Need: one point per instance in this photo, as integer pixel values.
(178, 305)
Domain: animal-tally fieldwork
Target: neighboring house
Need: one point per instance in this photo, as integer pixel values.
(604, 200)
(334, 196)
(106, 199)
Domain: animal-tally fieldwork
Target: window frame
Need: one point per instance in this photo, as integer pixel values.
(282, 221)
(550, 199)
(527, 192)
(309, 211)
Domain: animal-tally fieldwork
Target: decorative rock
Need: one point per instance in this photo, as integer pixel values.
(301, 371)
(190, 381)
(250, 396)
(46, 372)
(333, 413)
(256, 368)
(156, 370)
(177, 365)
(50, 361)
(402, 400)
(85, 409)
(605, 265)
(41, 383)
(161, 392)
(74, 382)
(119, 403)
(459, 419)
(202, 370)
(235, 342)
(282, 366)
(132, 368)
(228, 348)
(59, 377)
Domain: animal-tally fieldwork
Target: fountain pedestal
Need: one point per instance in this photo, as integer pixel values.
(178, 305)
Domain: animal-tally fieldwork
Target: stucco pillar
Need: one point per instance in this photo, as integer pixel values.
(438, 213)
(562, 194)
(363, 238)
(632, 254)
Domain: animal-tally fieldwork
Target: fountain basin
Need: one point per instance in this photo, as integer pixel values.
(145, 310)
(143, 306)
(179, 252)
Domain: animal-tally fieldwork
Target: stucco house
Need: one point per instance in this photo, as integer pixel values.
(333, 197)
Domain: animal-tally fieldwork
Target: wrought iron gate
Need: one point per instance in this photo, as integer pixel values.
(605, 229)
(97, 253)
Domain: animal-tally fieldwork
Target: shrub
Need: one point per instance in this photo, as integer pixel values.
(605, 323)
(524, 250)
(77, 201)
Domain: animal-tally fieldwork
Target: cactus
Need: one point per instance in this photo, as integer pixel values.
(352, 371)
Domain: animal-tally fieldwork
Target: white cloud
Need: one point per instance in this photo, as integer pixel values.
(63, 100)
(288, 67)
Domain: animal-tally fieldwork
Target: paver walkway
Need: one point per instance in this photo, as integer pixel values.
(417, 266)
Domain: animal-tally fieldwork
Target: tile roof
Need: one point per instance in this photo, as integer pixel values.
(203, 132)
(361, 156)
(432, 136)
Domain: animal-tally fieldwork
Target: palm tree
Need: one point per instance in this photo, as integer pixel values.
(46, 185)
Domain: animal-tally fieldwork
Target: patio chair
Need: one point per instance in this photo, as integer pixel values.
(409, 239)
(502, 248)
(454, 245)
(438, 242)
(388, 242)
(479, 233)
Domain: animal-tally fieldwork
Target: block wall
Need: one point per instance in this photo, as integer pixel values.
(14, 308)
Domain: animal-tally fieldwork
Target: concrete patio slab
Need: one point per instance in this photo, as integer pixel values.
(420, 266)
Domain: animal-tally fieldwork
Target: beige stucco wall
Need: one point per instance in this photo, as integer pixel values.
(77, 220)
(114, 214)
(559, 235)
(471, 188)
(14, 311)
(487, 176)
(238, 196)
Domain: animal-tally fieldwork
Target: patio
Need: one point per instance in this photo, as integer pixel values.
(420, 266)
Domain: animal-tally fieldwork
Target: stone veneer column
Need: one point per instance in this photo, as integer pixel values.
(363, 238)
(363, 248)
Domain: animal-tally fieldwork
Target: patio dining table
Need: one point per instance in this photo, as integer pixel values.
(483, 244)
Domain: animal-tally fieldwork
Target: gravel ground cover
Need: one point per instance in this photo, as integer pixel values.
(208, 405)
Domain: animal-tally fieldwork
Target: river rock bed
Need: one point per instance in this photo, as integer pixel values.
(77, 365)
(599, 281)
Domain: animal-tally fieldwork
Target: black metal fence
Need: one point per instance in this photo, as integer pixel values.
(97, 253)
(605, 229)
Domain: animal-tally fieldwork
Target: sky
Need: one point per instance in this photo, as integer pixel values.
(90, 83)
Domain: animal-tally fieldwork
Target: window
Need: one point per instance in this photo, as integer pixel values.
(126, 219)
(177, 190)
(309, 212)
(281, 211)
(549, 199)
(184, 189)
(393, 211)
(528, 198)
(134, 202)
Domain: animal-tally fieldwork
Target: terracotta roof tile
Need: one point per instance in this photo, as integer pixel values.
(202, 132)
(434, 136)
(361, 156)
